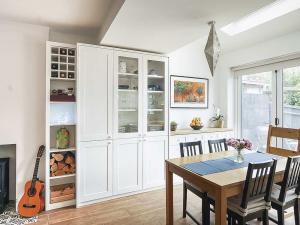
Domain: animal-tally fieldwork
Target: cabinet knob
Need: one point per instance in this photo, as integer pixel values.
(144, 139)
(109, 143)
(109, 137)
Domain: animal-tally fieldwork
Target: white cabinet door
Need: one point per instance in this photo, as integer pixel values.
(174, 152)
(155, 95)
(155, 151)
(127, 165)
(128, 99)
(94, 168)
(94, 88)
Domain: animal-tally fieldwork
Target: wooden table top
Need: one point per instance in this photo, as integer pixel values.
(226, 178)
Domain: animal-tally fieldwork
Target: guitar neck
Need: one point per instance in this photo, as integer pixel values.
(36, 168)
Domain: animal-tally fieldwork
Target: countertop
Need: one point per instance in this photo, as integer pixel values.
(203, 130)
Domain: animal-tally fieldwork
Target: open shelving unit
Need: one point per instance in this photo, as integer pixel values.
(61, 109)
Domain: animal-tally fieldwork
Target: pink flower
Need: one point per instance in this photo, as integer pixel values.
(239, 143)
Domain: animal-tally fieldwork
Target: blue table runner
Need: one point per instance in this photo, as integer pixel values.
(224, 164)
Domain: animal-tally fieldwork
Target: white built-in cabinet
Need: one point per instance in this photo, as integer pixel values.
(118, 121)
(95, 90)
(127, 165)
(155, 151)
(122, 122)
(95, 170)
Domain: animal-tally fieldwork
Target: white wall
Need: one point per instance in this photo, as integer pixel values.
(69, 38)
(225, 96)
(190, 61)
(22, 93)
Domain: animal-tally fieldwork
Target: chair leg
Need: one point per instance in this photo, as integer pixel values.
(265, 217)
(280, 214)
(205, 210)
(184, 200)
(297, 212)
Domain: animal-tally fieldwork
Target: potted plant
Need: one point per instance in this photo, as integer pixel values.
(239, 145)
(218, 119)
(173, 126)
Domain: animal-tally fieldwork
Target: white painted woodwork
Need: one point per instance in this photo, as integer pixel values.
(174, 152)
(164, 60)
(133, 55)
(94, 171)
(95, 81)
(127, 175)
(155, 151)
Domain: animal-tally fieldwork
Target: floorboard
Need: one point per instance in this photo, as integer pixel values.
(141, 209)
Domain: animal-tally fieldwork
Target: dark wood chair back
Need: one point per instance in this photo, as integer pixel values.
(217, 145)
(259, 182)
(280, 132)
(190, 148)
(291, 178)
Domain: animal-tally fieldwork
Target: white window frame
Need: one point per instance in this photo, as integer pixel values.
(273, 64)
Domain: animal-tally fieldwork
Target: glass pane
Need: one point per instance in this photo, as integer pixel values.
(291, 103)
(256, 112)
(156, 96)
(128, 95)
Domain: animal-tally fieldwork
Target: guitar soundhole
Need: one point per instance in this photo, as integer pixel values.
(31, 192)
(29, 206)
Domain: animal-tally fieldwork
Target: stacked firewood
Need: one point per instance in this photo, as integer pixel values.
(62, 164)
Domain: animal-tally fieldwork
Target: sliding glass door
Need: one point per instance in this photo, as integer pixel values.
(271, 97)
(256, 107)
(290, 102)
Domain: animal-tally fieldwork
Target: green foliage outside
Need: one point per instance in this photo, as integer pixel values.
(291, 86)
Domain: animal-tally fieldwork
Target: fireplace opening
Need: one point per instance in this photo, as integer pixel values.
(4, 183)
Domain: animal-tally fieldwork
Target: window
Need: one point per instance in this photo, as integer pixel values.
(269, 97)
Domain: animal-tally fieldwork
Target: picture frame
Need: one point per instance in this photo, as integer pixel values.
(189, 92)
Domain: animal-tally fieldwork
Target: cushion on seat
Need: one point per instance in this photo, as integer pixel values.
(234, 204)
(290, 195)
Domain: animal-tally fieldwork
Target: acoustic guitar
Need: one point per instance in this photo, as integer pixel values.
(32, 202)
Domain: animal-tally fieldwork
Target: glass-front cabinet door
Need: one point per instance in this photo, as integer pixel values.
(155, 95)
(128, 94)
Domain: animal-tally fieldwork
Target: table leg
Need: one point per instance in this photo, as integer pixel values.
(169, 196)
(220, 208)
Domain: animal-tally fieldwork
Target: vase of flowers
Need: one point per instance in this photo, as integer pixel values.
(239, 145)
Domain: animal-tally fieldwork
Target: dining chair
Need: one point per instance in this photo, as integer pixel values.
(192, 149)
(288, 133)
(254, 202)
(217, 145)
(287, 195)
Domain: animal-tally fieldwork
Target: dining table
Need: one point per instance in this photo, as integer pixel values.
(218, 184)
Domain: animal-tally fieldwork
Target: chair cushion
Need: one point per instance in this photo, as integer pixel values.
(290, 195)
(234, 204)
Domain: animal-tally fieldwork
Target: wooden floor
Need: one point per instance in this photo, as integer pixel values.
(142, 209)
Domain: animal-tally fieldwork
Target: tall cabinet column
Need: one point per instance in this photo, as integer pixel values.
(95, 103)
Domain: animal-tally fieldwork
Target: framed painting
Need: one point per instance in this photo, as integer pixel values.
(188, 92)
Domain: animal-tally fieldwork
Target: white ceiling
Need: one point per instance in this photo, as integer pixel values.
(165, 25)
(77, 16)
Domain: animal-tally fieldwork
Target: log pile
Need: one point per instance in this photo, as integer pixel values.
(62, 164)
(62, 192)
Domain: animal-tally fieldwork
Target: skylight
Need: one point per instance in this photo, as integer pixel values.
(263, 15)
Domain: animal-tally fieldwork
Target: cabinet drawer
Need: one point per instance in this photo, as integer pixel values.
(175, 140)
(194, 137)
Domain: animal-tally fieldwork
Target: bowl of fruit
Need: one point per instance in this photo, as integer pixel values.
(196, 123)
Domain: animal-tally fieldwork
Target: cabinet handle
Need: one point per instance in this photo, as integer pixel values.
(109, 143)
(109, 137)
(144, 139)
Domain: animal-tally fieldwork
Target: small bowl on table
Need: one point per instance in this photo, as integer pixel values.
(195, 127)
